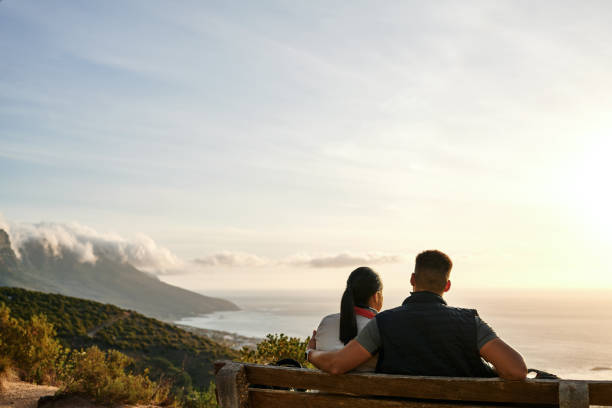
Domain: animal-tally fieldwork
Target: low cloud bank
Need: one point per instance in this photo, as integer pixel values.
(88, 244)
(144, 253)
(346, 259)
(237, 259)
(342, 260)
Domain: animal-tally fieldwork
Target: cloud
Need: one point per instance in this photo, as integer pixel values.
(237, 259)
(345, 259)
(144, 253)
(88, 245)
(341, 260)
(4, 225)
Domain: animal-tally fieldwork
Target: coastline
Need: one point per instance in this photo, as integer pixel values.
(234, 341)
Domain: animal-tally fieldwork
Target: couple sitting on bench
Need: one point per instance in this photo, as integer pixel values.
(423, 336)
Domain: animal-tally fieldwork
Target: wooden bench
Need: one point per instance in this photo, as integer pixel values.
(239, 385)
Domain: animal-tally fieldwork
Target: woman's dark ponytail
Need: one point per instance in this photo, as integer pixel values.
(361, 284)
(348, 320)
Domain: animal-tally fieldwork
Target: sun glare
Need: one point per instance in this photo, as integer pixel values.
(590, 188)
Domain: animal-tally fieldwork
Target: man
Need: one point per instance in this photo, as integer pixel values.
(424, 336)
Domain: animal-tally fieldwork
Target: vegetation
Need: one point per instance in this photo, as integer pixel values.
(6, 371)
(276, 347)
(114, 356)
(105, 377)
(102, 376)
(201, 399)
(31, 345)
(181, 357)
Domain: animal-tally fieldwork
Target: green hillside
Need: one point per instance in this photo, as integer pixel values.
(161, 347)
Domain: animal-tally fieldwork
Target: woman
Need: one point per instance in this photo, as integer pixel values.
(361, 300)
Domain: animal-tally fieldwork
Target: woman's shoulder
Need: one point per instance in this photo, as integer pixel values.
(332, 316)
(334, 319)
(329, 319)
(327, 333)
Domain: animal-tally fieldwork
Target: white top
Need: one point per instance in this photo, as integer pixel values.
(328, 338)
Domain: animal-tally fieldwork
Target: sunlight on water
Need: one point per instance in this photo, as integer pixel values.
(566, 333)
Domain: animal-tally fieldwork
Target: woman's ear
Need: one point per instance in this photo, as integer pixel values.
(380, 300)
(376, 301)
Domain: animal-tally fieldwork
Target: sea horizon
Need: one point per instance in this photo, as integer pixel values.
(565, 332)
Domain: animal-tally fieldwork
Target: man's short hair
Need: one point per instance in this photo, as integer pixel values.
(432, 269)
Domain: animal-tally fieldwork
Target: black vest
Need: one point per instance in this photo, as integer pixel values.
(424, 336)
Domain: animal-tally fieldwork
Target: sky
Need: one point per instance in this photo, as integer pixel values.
(279, 144)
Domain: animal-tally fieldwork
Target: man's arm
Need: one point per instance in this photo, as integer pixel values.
(340, 361)
(356, 352)
(508, 363)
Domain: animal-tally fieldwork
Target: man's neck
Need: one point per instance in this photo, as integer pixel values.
(416, 290)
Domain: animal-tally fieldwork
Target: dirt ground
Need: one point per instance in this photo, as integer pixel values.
(17, 394)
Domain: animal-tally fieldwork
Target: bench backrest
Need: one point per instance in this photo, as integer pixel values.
(239, 385)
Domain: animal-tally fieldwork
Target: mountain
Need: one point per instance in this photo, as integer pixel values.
(162, 348)
(107, 280)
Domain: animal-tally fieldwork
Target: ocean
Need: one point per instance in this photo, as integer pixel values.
(568, 333)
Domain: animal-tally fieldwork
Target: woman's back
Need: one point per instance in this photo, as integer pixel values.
(328, 338)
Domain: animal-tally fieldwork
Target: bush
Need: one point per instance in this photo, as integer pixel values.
(104, 377)
(6, 372)
(276, 347)
(201, 399)
(31, 345)
(138, 336)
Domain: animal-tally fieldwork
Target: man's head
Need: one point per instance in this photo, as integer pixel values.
(431, 272)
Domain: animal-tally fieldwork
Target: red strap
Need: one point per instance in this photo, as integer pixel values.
(364, 312)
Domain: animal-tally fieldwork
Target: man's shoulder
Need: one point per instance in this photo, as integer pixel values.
(406, 308)
(463, 309)
(388, 312)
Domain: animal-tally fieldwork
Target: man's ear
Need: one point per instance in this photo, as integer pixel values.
(448, 285)
(412, 279)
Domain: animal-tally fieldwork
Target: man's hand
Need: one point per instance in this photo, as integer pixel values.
(507, 361)
(340, 361)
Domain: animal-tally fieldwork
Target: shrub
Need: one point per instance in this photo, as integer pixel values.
(40, 352)
(72, 318)
(9, 333)
(104, 377)
(31, 345)
(276, 347)
(201, 399)
(6, 371)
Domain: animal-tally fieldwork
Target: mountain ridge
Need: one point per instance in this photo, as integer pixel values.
(107, 280)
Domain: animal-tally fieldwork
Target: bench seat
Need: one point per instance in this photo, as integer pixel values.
(241, 385)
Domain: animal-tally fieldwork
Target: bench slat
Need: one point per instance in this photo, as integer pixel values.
(439, 388)
(282, 399)
(600, 392)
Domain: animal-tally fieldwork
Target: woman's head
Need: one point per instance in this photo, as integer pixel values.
(363, 288)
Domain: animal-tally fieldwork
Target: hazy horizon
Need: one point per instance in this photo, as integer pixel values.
(567, 334)
(280, 145)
